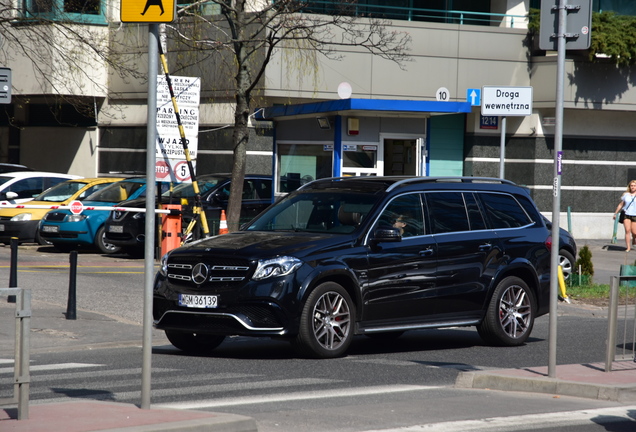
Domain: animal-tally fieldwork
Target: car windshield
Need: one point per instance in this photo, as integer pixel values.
(185, 190)
(61, 192)
(116, 192)
(324, 211)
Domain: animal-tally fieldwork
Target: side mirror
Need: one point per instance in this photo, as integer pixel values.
(10, 195)
(386, 235)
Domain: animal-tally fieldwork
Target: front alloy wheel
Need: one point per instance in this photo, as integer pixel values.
(510, 315)
(326, 323)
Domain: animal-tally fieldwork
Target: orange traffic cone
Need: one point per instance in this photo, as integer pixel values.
(223, 224)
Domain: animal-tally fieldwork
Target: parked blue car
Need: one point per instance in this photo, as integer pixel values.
(67, 231)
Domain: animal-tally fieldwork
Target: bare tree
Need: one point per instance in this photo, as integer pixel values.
(247, 34)
(66, 58)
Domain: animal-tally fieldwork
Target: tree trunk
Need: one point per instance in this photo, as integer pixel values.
(240, 138)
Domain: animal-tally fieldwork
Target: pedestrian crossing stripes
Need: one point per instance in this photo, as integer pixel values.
(50, 367)
(285, 397)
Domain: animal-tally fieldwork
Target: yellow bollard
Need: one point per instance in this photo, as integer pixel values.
(564, 295)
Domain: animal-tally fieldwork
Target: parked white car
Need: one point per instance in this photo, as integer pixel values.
(23, 186)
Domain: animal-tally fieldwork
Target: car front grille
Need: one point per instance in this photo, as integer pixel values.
(211, 271)
(54, 216)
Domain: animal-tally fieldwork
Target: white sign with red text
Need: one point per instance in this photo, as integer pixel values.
(169, 148)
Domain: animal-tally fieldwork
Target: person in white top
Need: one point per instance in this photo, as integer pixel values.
(628, 205)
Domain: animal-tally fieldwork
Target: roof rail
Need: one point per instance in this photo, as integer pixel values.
(451, 180)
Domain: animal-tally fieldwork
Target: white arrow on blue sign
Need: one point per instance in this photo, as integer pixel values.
(473, 96)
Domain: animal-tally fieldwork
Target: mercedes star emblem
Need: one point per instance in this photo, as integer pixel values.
(200, 273)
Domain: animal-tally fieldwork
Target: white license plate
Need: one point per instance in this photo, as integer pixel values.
(50, 228)
(1, 227)
(198, 301)
(116, 228)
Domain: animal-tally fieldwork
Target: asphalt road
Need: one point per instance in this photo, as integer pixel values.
(377, 386)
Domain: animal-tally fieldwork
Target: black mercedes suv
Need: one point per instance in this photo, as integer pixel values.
(373, 256)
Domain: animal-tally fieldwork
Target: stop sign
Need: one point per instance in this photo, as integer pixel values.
(76, 207)
(162, 169)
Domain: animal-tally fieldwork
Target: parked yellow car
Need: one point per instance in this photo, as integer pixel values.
(23, 222)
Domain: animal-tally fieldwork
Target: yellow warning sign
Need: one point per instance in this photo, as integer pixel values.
(148, 11)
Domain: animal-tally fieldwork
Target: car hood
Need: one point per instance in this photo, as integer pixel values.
(264, 244)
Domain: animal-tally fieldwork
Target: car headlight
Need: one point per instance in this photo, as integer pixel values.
(280, 266)
(22, 217)
(139, 215)
(75, 217)
(163, 268)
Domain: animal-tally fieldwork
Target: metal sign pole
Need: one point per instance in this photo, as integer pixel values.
(149, 252)
(502, 148)
(556, 201)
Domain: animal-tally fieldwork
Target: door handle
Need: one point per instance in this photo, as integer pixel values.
(485, 247)
(426, 252)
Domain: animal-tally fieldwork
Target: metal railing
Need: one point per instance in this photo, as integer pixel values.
(629, 320)
(333, 7)
(21, 375)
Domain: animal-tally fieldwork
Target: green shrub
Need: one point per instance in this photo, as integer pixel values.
(585, 262)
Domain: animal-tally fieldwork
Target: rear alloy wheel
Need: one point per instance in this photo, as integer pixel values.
(326, 323)
(101, 243)
(566, 261)
(194, 343)
(510, 315)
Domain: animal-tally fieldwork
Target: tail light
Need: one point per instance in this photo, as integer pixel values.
(548, 243)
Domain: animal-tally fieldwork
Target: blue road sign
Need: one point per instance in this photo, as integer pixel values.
(473, 96)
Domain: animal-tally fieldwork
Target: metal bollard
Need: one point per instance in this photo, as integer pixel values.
(13, 269)
(71, 306)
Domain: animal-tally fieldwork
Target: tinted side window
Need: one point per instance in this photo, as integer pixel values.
(27, 188)
(503, 211)
(263, 189)
(447, 212)
(475, 217)
(529, 207)
(404, 213)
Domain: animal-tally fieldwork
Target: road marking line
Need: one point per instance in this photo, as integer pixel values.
(50, 367)
(285, 397)
(525, 422)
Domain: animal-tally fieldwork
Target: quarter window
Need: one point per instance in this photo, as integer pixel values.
(503, 211)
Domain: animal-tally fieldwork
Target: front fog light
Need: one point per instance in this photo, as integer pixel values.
(280, 266)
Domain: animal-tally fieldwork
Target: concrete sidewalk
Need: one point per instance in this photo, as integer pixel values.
(52, 332)
(579, 380)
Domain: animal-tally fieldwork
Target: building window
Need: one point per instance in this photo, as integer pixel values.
(80, 11)
(620, 7)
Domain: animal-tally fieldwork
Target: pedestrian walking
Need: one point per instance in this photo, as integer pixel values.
(626, 212)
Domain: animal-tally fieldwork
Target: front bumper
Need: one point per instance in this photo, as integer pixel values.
(23, 230)
(249, 308)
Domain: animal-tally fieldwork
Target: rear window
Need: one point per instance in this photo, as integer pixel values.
(503, 211)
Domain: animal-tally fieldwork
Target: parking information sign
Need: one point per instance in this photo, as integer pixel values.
(171, 165)
(506, 101)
